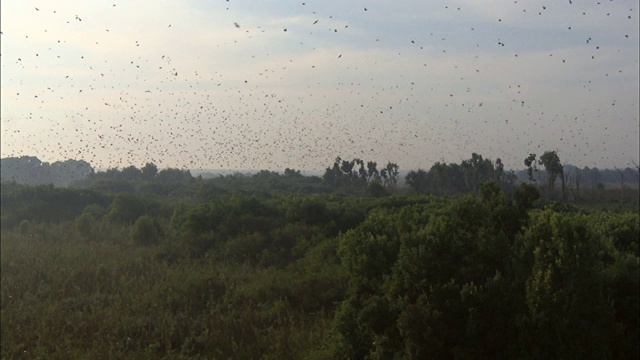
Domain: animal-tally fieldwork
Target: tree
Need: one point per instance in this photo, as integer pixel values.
(131, 173)
(341, 175)
(143, 231)
(499, 171)
(353, 175)
(595, 176)
(637, 174)
(621, 173)
(418, 181)
(469, 175)
(362, 172)
(85, 224)
(524, 197)
(174, 175)
(331, 176)
(565, 292)
(476, 171)
(455, 180)
(375, 189)
(292, 173)
(149, 171)
(179, 216)
(554, 168)
(433, 284)
(391, 181)
(126, 208)
(347, 168)
(372, 171)
(532, 166)
(573, 182)
(438, 173)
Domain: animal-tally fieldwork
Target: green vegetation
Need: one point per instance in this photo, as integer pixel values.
(348, 266)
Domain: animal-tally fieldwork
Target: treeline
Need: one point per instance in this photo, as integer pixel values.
(588, 177)
(48, 204)
(345, 177)
(465, 177)
(146, 180)
(30, 170)
(355, 176)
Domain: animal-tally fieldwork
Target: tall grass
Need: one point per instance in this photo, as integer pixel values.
(67, 297)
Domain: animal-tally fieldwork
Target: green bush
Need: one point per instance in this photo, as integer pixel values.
(126, 208)
(95, 210)
(23, 229)
(85, 225)
(144, 232)
(376, 189)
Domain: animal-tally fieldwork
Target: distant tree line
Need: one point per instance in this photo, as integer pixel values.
(443, 178)
(30, 170)
(354, 175)
(588, 176)
(344, 176)
(44, 203)
(547, 169)
(147, 173)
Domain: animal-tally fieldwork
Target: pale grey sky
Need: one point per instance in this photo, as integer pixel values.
(276, 84)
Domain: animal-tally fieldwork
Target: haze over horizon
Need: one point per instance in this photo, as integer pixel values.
(294, 84)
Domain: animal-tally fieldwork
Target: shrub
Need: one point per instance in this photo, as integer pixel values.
(376, 189)
(84, 225)
(144, 232)
(23, 229)
(126, 208)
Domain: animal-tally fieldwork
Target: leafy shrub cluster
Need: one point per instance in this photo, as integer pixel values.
(461, 283)
(291, 276)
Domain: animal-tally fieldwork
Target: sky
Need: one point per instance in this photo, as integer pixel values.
(269, 85)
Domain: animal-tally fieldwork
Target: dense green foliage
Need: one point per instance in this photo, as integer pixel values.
(144, 232)
(480, 279)
(287, 267)
(44, 203)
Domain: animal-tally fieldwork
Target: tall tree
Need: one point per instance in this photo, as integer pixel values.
(149, 171)
(532, 166)
(499, 171)
(362, 172)
(372, 171)
(554, 168)
(392, 175)
(131, 173)
(566, 287)
(573, 182)
(418, 180)
(439, 174)
(621, 173)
